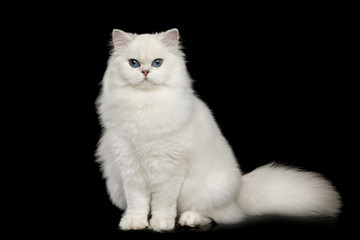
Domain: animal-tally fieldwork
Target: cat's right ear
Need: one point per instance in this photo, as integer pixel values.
(120, 38)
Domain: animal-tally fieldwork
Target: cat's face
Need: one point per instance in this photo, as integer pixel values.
(148, 60)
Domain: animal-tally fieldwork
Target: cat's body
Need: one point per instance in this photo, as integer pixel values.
(163, 154)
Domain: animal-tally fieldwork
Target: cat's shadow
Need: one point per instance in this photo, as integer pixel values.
(266, 223)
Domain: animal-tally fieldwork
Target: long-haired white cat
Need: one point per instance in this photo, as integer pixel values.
(163, 155)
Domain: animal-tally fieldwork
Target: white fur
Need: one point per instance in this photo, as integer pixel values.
(162, 152)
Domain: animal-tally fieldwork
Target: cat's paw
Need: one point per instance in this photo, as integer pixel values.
(162, 224)
(193, 219)
(133, 222)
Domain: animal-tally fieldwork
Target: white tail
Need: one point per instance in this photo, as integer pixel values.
(276, 189)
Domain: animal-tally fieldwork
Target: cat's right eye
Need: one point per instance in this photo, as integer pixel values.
(134, 63)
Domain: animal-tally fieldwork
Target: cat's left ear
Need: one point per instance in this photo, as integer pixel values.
(171, 37)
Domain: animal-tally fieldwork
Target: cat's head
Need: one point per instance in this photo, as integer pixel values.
(147, 61)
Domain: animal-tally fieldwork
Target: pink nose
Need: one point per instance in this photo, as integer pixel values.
(145, 72)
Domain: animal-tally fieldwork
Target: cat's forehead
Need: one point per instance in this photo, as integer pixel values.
(146, 47)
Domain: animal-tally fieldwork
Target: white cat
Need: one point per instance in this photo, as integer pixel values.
(163, 155)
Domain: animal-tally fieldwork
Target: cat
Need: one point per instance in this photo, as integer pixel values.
(164, 157)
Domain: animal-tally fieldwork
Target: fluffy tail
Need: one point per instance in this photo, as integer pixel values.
(276, 189)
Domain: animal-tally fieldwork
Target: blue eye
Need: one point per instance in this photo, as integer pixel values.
(157, 62)
(134, 63)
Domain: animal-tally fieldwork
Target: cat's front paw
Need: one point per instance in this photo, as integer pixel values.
(133, 222)
(162, 224)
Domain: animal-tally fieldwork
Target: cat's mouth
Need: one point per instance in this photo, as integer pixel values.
(145, 82)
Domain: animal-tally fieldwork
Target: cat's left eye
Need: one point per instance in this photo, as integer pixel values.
(157, 62)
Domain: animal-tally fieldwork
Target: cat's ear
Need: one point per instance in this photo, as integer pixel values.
(171, 37)
(120, 38)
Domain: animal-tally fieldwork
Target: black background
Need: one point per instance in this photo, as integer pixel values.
(275, 76)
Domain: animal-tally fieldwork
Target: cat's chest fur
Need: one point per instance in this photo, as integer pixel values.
(148, 114)
(150, 126)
